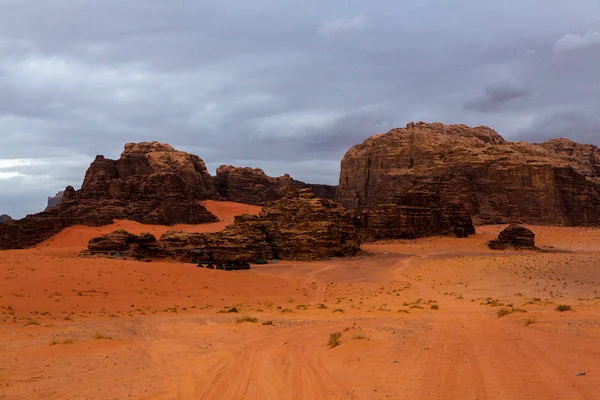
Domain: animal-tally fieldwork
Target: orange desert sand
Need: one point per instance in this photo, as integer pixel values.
(419, 319)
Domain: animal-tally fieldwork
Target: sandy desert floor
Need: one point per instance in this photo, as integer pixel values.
(434, 318)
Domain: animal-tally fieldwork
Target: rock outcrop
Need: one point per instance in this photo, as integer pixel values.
(5, 218)
(151, 183)
(514, 237)
(557, 182)
(253, 186)
(247, 185)
(412, 216)
(126, 244)
(55, 200)
(298, 227)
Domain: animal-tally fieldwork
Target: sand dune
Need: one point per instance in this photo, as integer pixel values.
(418, 320)
(76, 238)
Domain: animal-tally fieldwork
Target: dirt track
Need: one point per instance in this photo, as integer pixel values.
(73, 328)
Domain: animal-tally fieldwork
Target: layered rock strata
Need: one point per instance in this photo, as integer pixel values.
(514, 237)
(556, 182)
(151, 183)
(298, 227)
(54, 200)
(125, 244)
(414, 215)
(253, 186)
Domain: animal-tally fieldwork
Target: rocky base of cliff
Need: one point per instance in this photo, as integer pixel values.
(298, 227)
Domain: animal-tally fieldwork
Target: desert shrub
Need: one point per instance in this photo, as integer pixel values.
(246, 318)
(99, 336)
(504, 311)
(563, 307)
(334, 339)
(435, 307)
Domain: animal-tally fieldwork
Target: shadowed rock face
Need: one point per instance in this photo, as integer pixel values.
(151, 183)
(297, 227)
(253, 186)
(149, 171)
(5, 218)
(55, 200)
(557, 182)
(414, 215)
(514, 237)
(127, 245)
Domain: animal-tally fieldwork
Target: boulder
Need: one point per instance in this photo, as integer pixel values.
(127, 245)
(556, 182)
(514, 237)
(5, 219)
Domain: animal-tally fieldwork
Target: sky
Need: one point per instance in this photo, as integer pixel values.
(284, 85)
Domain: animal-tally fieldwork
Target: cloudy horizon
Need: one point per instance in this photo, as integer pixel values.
(286, 86)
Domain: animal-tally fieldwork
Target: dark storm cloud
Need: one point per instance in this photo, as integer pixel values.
(285, 86)
(496, 96)
(580, 123)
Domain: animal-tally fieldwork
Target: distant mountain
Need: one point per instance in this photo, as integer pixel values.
(5, 218)
(54, 201)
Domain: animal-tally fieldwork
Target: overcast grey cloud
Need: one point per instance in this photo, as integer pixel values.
(287, 86)
(496, 96)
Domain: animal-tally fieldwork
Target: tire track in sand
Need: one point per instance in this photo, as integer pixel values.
(286, 365)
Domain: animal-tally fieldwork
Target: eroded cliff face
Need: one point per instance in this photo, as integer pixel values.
(151, 183)
(414, 215)
(299, 226)
(149, 171)
(54, 200)
(253, 186)
(557, 182)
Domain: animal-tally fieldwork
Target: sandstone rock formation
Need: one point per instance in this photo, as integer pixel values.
(151, 183)
(557, 182)
(412, 216)
(244, 240)
(253, 186)
(55, 200)
(5, 218)
(127, 245)
(298, 227)
(514, 237)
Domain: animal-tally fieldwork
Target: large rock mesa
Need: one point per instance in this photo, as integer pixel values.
(556, 182)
